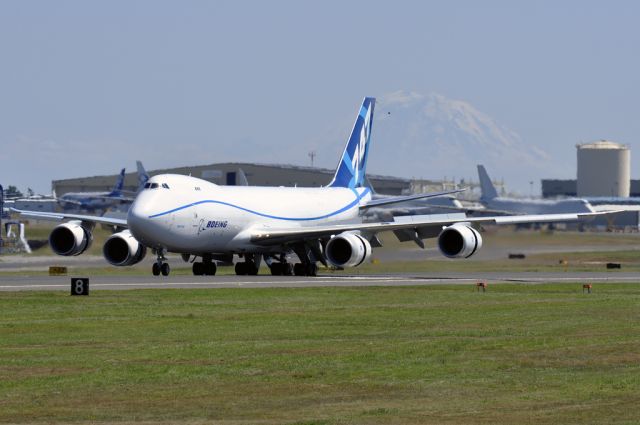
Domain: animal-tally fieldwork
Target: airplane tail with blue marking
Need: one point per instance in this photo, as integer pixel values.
(352, 166)
(117, 189)
(143, 177)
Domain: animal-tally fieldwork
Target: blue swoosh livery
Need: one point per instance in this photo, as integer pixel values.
(347, 207)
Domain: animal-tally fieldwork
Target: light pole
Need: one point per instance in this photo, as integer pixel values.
(531, 189)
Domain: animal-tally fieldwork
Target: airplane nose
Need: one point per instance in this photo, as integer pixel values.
(137, 217)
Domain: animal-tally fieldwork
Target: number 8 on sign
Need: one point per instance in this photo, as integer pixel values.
(79, 286)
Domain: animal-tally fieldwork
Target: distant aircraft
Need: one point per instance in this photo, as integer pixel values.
(241, 178)
(496, 204)
(193, 217)
(143, 177)
(93, 201)
(445, 203)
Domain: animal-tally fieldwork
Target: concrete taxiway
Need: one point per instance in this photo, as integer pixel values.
(62, 283)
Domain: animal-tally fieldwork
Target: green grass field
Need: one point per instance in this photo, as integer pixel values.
(538, 354)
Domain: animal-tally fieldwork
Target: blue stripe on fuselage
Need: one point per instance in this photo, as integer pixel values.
(355, 202)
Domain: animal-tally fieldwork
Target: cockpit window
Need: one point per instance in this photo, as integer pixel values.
(155, 185)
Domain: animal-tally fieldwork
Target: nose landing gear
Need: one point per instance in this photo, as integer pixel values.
(160, 266)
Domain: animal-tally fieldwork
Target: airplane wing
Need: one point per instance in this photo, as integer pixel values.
(115, 198)
(64, 216)
(424, 226)
(69, 201)
(398, 199)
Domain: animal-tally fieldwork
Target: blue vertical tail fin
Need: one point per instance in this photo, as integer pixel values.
(352, 166)
(142, 175)
(117, 189)
(487, 189)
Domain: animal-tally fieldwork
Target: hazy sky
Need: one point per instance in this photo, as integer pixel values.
(88, 87)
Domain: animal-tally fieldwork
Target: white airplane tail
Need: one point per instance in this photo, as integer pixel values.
(352, 166)
(488, 190)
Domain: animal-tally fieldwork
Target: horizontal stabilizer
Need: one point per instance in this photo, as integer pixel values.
(399, 199)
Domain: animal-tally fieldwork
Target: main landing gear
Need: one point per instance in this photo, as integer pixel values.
(205, 268)
(160, 266)
(307, 255)
(305, 269)
(280, 267)
(278, 264)
(249, 266)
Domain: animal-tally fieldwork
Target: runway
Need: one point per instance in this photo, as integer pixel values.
(62, 283)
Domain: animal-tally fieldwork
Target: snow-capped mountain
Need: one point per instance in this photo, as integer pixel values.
(430, 136)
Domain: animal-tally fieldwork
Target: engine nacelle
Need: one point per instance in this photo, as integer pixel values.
(459, 241)
(347, 250)
(122, 249)
(70, 239)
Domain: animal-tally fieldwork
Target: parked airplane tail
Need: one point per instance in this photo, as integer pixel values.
(352, 166)
(117, 189)
(142, 175)
(488, 190)
(241, 178)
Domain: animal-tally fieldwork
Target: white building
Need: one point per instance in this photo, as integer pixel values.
(604, 169)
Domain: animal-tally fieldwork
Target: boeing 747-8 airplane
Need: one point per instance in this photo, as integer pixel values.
(193, 217)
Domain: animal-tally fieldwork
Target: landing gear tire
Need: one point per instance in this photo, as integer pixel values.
(312, 269)
(210, 269)
(252, 268)
(246, 268)
(277, 269)
(241, 269)
(160, 267)
(204, 269)
(299, 269)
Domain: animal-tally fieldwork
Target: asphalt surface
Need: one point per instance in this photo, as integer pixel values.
(62, 283)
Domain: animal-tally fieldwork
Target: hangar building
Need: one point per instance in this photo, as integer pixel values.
(227, 174)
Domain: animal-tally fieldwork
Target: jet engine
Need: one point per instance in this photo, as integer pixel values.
(70, 239)
(459, 241)
(347, 250)
(122, 249)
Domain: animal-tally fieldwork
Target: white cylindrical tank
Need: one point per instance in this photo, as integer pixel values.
(604, 169)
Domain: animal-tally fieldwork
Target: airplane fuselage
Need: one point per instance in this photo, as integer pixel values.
(536, 206)
(190, 215)
(88, 200)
